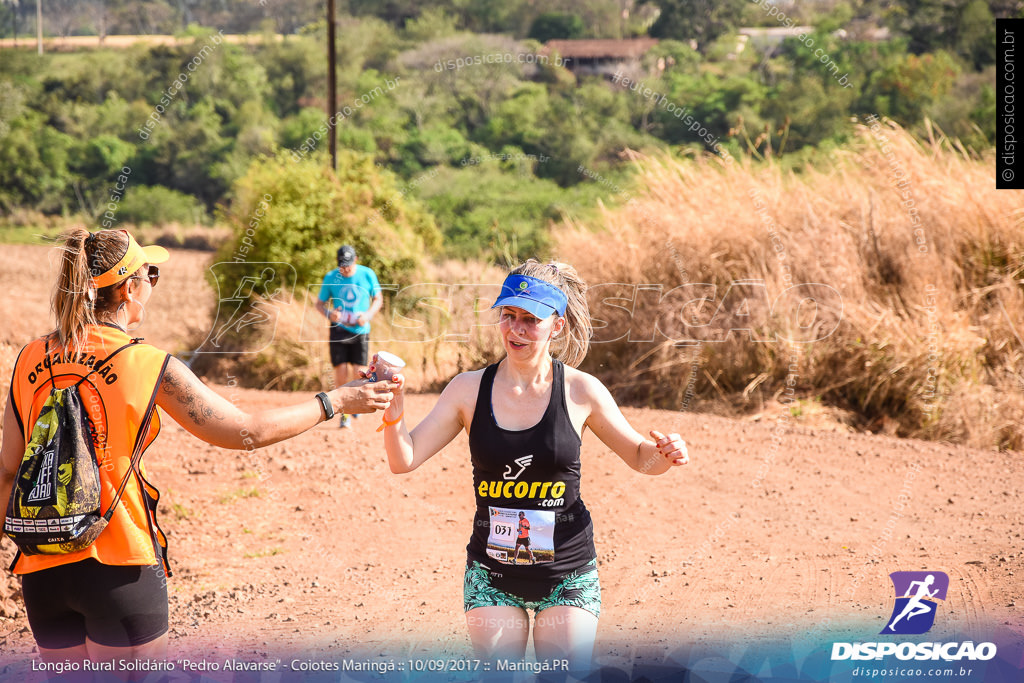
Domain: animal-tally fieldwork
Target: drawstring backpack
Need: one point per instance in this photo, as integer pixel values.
(55, 505)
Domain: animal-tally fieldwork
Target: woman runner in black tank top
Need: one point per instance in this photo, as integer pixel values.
(524, 416)
(536, 469)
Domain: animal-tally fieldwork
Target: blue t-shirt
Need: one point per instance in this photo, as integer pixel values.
(350, 294)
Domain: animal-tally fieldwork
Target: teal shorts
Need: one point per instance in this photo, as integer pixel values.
(580, 588)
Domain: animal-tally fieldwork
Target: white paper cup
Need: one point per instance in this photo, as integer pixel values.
(384, 366)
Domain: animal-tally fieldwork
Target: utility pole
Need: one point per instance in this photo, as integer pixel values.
(14, 21)
(332, 87)
(39, 26)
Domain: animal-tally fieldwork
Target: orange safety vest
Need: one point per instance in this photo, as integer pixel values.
(117, 399)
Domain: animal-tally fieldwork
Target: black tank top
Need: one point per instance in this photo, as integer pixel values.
(535, 471)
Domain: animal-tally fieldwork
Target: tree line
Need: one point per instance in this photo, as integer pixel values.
(493, 151)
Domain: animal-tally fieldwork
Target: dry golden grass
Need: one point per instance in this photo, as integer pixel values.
(77, 43)
(928, 325)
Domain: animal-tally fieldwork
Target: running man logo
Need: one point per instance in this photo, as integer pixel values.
(916, 595)
(523, 463)
(250, 299)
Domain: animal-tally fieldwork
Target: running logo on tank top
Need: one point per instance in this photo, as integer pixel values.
(550, 492)
(523, 463)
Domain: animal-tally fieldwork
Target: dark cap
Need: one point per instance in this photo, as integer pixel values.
(346, 255)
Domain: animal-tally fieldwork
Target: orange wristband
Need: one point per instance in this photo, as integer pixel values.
(384, 421)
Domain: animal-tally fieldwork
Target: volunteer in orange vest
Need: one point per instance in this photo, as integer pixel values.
(109, 601)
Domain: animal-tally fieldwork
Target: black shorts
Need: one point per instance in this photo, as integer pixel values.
(523, 541)
(116, 606)
(348, 348)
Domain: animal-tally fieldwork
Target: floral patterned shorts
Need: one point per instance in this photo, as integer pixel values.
(580, 588)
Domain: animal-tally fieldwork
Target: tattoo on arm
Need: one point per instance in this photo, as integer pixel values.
(181, 389)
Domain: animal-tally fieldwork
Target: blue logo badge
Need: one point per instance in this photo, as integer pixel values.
(916, 601)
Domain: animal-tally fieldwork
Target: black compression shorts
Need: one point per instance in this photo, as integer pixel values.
(116, 606)
(347, 347)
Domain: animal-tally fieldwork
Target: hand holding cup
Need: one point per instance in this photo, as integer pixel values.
(384, 366)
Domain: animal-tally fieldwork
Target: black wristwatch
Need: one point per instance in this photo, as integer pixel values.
(325, 403)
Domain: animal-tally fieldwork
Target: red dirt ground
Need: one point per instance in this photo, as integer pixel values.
(313, 544)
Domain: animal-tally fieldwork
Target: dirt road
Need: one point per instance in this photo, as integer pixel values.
(314, 543)
(776, 527)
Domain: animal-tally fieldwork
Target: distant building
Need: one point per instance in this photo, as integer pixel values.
(599, 57)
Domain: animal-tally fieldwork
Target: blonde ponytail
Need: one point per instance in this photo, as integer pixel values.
(75, 301)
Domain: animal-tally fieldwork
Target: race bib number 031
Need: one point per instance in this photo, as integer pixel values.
(521, 537)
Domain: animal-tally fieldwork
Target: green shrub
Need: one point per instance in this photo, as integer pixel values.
(155, 205)
(300, 212)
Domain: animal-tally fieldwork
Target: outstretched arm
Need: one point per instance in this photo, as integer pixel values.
(610, 425)
(408, 450)
(216, 420)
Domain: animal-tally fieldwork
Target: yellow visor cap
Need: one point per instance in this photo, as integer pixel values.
(132, 260)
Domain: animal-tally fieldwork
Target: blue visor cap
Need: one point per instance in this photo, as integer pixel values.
(530, 294)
